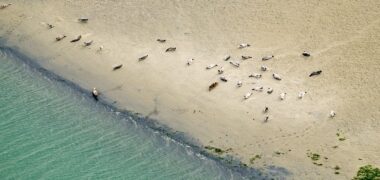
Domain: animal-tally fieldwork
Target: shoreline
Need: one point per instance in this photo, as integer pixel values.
(232, 164)
(341, 37)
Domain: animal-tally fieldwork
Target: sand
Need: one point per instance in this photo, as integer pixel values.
(342, 37)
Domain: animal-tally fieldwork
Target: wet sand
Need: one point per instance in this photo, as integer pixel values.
(343, 39)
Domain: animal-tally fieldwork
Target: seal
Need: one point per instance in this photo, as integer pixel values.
(246, 57)
(60, 37)
(269, 90)
(282, 96)
(301, 94)
(171, 49)
(223, 78)
(266, 109)
(212, 86)
(190, 61)
(221, 70)
(266, 58)
(117, 66)
(243, 45)
(258, 88)
(264, 68)
(83, 19)
(266, 119)
(315, 73)
(247, 95)
(306, 54)
(239, 83)
(255, 75)
(49, 26)
(211, 66)
(236, 64)
(161, 40)
(276, 77)
(88, 43)
(226, 58)
(332, 114)
(76, 39)
(143, 58)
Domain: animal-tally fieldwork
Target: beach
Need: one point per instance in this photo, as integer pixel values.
(342, 37)
(52, 129)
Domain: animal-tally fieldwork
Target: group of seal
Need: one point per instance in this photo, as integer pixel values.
(212, 86)
(263, 68)
(78, 38)
(236, 64)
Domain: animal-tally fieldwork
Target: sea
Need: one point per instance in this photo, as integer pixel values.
(49, 130)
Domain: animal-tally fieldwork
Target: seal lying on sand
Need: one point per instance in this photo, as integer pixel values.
(49, 26)
(76, 39)
(249, 94)
(239, 83)
(161, 40)
(117, 66)
(88, 43)
(212, 86)
(282, 96)
(244, 45)
(83, 19)
(190, 61)
(266, 119)
(306, 54)
(315, 73)
(226, 58)
(100, 48)
(221, 70)
(266, 58)
(95, 93)
(264, 68)
(259, 88)
(276, 76)
(60, 37)
(255, 75)
(236, 64)
(301, 94)
(224, 79)
(3, 6)
(246, 57)
(211, 66)
(266, 109)
(332, 114)
(171, 49)
(270, 90)
(143, 58)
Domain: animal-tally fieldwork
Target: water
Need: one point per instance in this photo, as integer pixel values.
(50, 131)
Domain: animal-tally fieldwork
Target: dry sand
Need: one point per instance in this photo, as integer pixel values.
(342, 36)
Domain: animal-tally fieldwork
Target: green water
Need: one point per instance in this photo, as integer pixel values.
(50, 131)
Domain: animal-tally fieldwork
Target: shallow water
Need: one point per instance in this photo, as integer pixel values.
(50, 131)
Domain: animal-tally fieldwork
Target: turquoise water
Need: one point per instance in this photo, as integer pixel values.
(50, 131)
